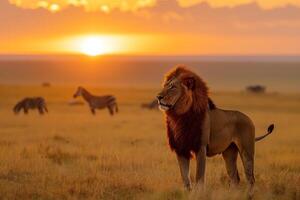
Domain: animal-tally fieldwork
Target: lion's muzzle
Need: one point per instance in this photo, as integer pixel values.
(162, 105)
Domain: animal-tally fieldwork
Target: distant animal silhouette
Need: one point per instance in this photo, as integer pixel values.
(256, 89)
(46, 84)
(28, 103)
(151, 106)
(98, 102)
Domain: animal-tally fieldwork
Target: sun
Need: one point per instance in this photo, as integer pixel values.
(94, 46)
(98, 44)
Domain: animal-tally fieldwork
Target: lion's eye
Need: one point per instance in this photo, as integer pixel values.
(172, 87)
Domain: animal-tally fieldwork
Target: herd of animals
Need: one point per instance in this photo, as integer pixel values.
(195, 126)
(94, 102)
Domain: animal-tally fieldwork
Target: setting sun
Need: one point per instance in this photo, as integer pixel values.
(95, 46)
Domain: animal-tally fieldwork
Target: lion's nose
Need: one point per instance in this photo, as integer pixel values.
(159, 97)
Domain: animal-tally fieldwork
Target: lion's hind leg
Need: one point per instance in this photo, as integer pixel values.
(246, 150)
(248, 163)
(230, 158)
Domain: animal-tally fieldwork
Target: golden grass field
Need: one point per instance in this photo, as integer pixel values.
(70, 154)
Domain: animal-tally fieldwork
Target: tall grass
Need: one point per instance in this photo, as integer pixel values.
(70, 154)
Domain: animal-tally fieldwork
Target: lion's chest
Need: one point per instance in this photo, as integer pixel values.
(185, 134)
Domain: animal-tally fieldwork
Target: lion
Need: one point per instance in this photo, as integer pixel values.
(195, 126)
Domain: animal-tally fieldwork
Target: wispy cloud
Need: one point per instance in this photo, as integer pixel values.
(89, 5)
(246, 19)
(107, 6)
(164, 16)
(265, 4)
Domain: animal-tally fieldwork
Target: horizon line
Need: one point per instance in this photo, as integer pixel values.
(191, 57)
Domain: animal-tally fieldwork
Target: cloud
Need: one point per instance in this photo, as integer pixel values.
(266, 4)
(164, 16)
(244, 28)
(89, 5)
(107, 6)
(246, 19)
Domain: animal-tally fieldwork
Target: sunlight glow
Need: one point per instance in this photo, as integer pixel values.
(54, 7)
(105, 9)
(94, 46)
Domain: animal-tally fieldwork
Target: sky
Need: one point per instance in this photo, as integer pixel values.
(150, 27)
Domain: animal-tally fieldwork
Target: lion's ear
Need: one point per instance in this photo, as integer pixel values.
(189, 83)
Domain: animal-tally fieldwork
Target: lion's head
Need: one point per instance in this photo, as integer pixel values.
(182, 91)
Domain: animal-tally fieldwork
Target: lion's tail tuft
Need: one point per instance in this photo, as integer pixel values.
(270, 130)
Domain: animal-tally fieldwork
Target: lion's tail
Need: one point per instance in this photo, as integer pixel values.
(270, 130)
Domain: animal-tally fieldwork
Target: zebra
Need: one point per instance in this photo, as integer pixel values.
(31, 103)
(98, 102)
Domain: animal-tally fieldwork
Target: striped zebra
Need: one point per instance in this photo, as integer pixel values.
(98, 102)
(28, 103)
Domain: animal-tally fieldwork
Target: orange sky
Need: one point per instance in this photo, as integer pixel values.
(160, 27)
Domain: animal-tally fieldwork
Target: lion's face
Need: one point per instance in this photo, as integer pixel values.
(175, 95)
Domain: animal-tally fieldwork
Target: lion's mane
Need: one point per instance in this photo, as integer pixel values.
(185, 130)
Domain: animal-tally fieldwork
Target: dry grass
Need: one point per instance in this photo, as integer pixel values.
(70, 154)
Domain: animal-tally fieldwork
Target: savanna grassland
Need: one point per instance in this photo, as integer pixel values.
(70, 154)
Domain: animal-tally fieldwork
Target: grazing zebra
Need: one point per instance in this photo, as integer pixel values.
(31, 103)
(98, 102)
(151, 106)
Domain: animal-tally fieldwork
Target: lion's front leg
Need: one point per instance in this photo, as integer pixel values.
(184, 165)
(201, 165)
(201, 154)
